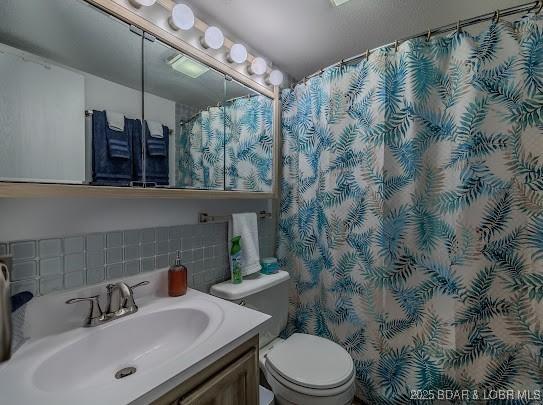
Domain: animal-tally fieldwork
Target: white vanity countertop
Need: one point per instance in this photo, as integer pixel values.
(87, 358)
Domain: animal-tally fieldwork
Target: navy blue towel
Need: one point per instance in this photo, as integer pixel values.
(119, 148)
(157, 147)
(20, 299)
(157, 167)
(111, 152)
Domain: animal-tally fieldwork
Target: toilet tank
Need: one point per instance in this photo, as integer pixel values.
(267, 293)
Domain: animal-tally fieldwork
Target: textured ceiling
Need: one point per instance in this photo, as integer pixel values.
(303, 36)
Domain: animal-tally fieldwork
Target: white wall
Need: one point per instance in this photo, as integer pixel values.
(42, 134)
(31, 218)
(101, 94)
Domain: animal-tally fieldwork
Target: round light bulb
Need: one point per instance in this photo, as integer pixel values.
(238, 54)
(182, 17)
(142, 3)
(276, 78)
(258, 66)
(213, 38)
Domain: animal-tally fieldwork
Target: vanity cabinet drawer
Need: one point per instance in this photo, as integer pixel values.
(231, 380)
(234, 385)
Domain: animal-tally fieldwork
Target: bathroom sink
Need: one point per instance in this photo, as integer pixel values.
(135, 359)
(139, 343)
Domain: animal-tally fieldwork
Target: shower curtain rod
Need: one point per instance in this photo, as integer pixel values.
(527, 7)
(248, 96)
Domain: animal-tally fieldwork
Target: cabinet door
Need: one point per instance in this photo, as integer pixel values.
(237, 384)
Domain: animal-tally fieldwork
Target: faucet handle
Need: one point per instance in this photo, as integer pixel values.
(139, 284)
(95, 312)
(129, 303)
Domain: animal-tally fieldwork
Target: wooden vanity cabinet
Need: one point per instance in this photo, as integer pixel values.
(231, 380)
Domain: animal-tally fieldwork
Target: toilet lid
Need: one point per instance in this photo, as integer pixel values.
(311, 361)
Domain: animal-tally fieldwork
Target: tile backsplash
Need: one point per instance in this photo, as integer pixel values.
(62, 263)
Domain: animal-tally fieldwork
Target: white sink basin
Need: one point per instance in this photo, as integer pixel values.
(143, 342)
(167, 341)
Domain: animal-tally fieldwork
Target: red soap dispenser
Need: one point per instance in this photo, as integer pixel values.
(177, 278)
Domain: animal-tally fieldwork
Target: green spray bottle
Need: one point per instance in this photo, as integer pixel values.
(235, 255)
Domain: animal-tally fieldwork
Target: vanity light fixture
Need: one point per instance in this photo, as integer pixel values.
(213, 38)
(182, 17)
(258, 66)
(237, 54)
(142, 3)
(187, 66)
(339, 2)
(275, 78)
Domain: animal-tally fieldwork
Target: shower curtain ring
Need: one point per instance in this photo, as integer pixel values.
(458, 26)
(497, 16)
(429, 35)
(396, 43)
(367, 55)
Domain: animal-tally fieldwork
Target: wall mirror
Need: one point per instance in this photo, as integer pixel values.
(58, 60)
(185, 98)
(86, 98)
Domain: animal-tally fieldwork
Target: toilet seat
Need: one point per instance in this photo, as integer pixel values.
(275, 379)
(310, 363)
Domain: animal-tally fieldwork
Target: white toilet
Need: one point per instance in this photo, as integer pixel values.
(303, 369)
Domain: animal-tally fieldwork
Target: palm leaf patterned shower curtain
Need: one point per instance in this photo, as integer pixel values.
(201, 151)
(249, 143)
(412, 213)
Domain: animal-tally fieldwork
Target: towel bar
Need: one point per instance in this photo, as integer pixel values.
(205, 218)
(88, 113)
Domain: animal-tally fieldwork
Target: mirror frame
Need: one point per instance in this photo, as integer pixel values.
(122, 10)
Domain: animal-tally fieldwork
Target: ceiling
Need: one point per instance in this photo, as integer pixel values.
(298, 36)
(303, 36)
(74, 34)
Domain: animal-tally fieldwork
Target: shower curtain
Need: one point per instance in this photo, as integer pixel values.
(201, 151)
(412, 215)
(249, 144)
(243, 128)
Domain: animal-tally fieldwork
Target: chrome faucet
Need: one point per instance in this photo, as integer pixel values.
(120, 302)
(5, 312)
(96, 316)
(120, 298)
